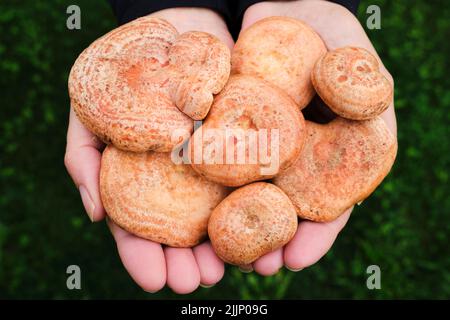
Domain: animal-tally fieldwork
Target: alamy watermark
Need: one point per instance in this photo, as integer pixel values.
(73, 21)
(374, 279)
(73, 281)
(228, 146)
(374, 20)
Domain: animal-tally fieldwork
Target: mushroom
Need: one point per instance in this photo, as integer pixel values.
(153, 198)
(340, 165)
(253, 131)
(349, 81)
(282, 51)
(129, 86)
(252, 221)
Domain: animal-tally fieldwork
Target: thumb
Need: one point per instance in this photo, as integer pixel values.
(82, 160)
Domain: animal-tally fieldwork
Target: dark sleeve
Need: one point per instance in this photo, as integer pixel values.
(351, 5)
(231, 10)
(242, 5)
(128, 10)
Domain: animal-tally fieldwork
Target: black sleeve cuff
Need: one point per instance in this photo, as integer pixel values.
(232, 10)
(351, 5)
(128, 10)
(242, 5)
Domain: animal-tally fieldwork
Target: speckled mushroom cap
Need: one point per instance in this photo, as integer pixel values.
(126, 86)
(349, 81)
(253, 106)
(341, 164)
(252, 221)
(153, 198)
(282, 51)
(203, 65)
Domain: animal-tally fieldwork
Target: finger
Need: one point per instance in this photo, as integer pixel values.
(312, 241)
(270, 263)
(264, 9)
(183, 275)
(389, 117)
(209, 264)
(143, 259)
(82, 160)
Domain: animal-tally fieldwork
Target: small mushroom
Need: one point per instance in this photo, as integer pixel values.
(252, 221)
(349, 81)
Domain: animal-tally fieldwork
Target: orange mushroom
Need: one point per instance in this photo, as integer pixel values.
(341, 164)
(252, 221)
(150, 196)
(349, 81)
(129, 86)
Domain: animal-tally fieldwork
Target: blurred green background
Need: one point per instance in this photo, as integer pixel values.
(403, 227)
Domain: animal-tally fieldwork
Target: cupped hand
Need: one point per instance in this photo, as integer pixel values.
(151, 265)
(338, 27)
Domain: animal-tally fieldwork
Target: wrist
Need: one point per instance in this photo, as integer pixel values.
(197, 19)
(184, 19)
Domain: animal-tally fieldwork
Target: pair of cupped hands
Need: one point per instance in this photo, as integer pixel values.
(153, 266)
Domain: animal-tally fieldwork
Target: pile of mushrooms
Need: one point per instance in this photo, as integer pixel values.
(253, 165)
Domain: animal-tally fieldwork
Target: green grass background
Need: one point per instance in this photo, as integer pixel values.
(403, 227)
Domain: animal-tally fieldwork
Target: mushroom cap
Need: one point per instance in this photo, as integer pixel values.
(203, 64)
(349, 81)
(252, 221)
(126, 86)
(340, 165)
(260, 123)
(282, 51)
(153, 198)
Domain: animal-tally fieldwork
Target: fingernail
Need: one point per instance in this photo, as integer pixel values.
(294, 270)
(87, 202)
(246, 269)
(207, 286)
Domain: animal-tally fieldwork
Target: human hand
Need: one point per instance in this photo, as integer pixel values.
(338, 27)
(148, 263)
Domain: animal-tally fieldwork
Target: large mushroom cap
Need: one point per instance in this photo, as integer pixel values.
(252, 221)
(129, 86)
(282, 51)
(341, 164)
(150, 196)
(253, 131)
